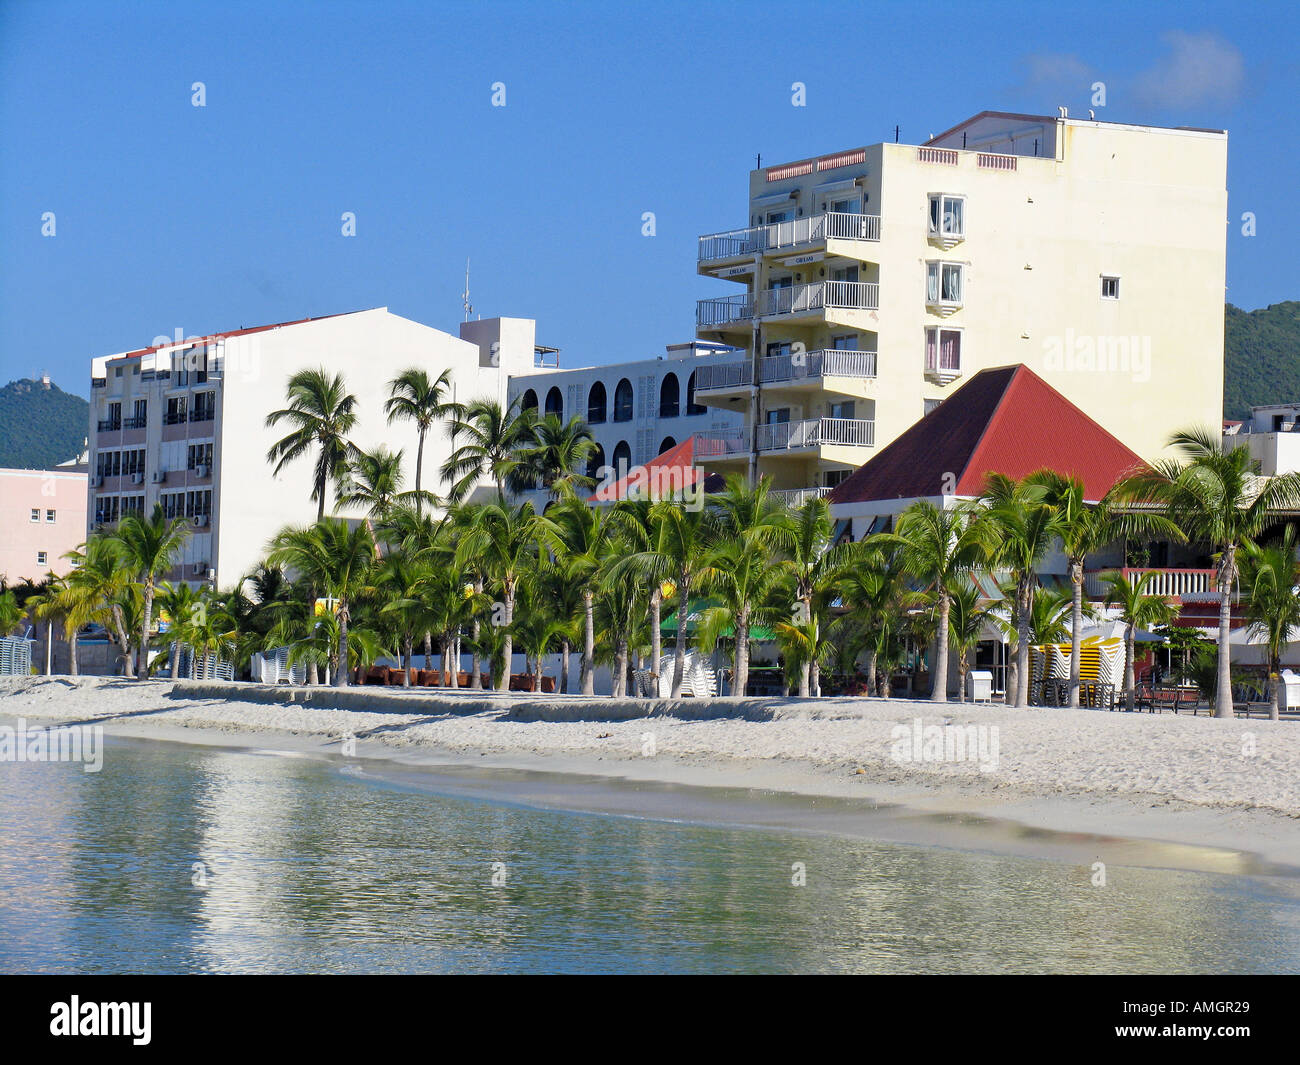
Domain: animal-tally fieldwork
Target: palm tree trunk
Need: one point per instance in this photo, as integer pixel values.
(1223, 687)
(939, 673)
(1130, 668)
(419, 469)
(320, 499)
(679, 651)
(962, 667)
(1274, 682)
(587, 681)
(741, 679)
(428, 651)
(1022, 644)
(805, 667)
(72, 651)
(656, 637)
(475, 661)
(143, 671)
(313, 673)
(620, 668)
(507, 643)
(342, 679)
(872, 657)
(1076, 623)
(815, 679)
(564, 666)
(406, 668)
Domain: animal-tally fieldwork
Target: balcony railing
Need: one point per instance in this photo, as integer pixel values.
(1166, 582)
(797, 497)
(136, 423)
(814, 229)
(723, 310)
(721, 443)
(825, 362)
(203, 415)
(110, 425)
(724, 375)
(798, 299)
(175, 417)
(816, 432)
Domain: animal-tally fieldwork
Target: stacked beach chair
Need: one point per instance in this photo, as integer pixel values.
(1100, 663)
(15, 656)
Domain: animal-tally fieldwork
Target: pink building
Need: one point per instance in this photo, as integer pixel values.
(42, 516)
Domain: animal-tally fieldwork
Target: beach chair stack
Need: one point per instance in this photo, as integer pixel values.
(15, 656)
(1100, 663)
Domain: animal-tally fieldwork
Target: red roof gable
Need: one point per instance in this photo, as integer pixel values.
(1004, 420)
(661, 477)
(222, 336)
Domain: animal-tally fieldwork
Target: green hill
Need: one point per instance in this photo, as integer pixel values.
(1261, 357)
(39, 426)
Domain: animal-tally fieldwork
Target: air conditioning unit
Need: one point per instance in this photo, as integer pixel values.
(159, 476)
(200, 520)
(137, 478)
(200, 568)
(97, 481)
(203, 469)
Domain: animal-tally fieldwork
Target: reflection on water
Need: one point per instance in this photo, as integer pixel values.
(306, 867)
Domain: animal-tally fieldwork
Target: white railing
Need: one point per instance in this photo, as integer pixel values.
(1166, 582)
(796, 497)
(946, 156)
(722, 310)
(825, 362)
(986, 161)
(815, 432)
(724, 375)
(834, 225)
(720, 443)
(796, 299)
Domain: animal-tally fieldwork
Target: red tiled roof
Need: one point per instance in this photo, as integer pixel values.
(232, 333)
(1003, 420)
(663, 475)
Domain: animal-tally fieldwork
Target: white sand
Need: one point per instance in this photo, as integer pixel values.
(1230, 784)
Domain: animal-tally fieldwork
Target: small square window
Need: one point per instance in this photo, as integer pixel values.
(36, 513)
(1110, 288)
(40, 558)
(49, 516)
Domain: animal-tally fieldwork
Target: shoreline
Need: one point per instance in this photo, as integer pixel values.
(1187, 797)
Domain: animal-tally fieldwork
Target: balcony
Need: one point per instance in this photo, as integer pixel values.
(724, 376)
(782, 236)
(718, 444)
(818, 296)
(135, 423)
(1180, 583)
(109, 425)
(817, 432)
(797, 497)
(725, 310)
(814, 365)
(202, 415)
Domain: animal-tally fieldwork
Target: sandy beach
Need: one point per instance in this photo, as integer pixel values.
(1232, 786)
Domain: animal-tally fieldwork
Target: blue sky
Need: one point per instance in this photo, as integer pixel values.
(206, 218)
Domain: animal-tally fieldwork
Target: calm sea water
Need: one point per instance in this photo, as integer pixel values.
(308, 867)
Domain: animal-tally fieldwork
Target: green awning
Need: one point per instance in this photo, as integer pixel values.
(668, 623)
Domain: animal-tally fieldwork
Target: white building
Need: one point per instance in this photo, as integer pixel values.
(183, 423)
(1272, 433)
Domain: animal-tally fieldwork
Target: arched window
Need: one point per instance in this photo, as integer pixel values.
(622, 459)
(554, 402)
(670, 395)
(623, 401)
(596, 404)
(529, 402)
(691, 406)
(666, 443)
(594, 463)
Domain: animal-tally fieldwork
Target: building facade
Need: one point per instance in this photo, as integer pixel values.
(183, 424)
(42, 518)
(876, 279)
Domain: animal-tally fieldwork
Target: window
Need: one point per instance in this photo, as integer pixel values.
(49, 517)
(670, 397)
(140, 415)
(198, 455)
(692, 408)
(943, 284)
(36, 513)
(778, 416)
(853, 206)
(41, 556)
(786, 214)
(943, 352)
(844, 273)
(834, 477)
(596, 403)
(1109, 288)
(778, 347)
(529, 402)
(175, 411)
(947, 218)
(843, 410)
(205, 407)
(623, 401)
(622, 459)
(847, 342)
(554, 402)
(666, 443)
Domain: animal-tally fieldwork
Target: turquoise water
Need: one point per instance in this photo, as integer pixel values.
(307, 866)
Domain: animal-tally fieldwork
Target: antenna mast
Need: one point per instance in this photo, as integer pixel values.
(469, 307)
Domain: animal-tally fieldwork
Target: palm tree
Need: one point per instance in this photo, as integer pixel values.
(147, 548)
(1024, 526)
(1273, 606)
(741, 569)
(1217, 498)
(413, 397)
(585, 538)
(966, 620)
(506, 541)
(100, 588)
(10, 612)
(321, 413)
(678, 552)
(1138, 608)
(1086, 529)
(179, 601)
(499, 439)
(937, 546)
(338, 559)
(559, 454)
(633, 529)
(373, 481)
(873, 589)
(210, 631)
(812, 564)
